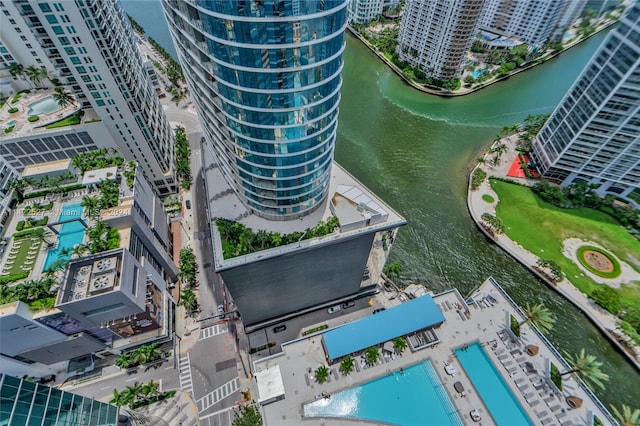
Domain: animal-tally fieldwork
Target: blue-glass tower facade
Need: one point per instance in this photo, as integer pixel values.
(265, 76)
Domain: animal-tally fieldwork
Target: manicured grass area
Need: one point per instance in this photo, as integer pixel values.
(541, 228)
(616, 266)
(487, 198)
(24, 246)
(70, 121)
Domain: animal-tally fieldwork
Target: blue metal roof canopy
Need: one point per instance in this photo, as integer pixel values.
(403, 319)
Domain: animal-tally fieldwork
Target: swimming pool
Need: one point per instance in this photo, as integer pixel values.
(71, 233)
(45, 105)
(411, 398)
(11, 123)
(494, 392)
(477, 73)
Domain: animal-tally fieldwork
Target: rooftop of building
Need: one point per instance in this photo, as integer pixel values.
(54, 200)
(357, 208)
(46, 168)
(91, 276)
(480, 319)
(18, 114)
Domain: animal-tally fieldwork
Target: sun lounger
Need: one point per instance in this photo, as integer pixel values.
(506, 363)
(512, 370)
(306, 379)
(520, 380)
(500, 351)
(529, 395)
(523, 387)
(555, 408)
(541, 414)
(501, 357)
(534, 402)
(549, 399)
(546, 421)
(520, 359)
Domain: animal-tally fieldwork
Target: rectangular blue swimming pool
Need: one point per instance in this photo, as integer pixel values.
(71, 233)
(411, 398)
(491, 387)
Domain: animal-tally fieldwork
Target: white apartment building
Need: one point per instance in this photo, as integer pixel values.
(90, 45)
(531, 21)
(435, 35)
(594, 133)
(361, 11)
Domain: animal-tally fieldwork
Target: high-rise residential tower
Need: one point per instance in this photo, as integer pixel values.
(90, 47)
(594, 133)
(265, 77)
(533, 22)
(436, 35)
(361, 11)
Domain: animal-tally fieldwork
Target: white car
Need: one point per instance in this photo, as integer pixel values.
(220, 309)
(334, 309)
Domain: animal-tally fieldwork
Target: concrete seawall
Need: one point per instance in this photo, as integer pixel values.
(602, 319)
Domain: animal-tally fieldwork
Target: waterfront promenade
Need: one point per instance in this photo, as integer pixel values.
(601, 318)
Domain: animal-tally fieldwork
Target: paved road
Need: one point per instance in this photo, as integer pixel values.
(104, 388)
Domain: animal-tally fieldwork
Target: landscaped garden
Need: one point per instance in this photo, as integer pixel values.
(22, 256)
(541, 228)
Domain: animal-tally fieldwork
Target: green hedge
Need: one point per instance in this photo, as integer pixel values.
(13, 110)
(33, 118)
(515, 325)
(28, 233)
(24, 224)
(15, 277)
(43, 208)
(556, 378)
(9, 129)
(616, 265)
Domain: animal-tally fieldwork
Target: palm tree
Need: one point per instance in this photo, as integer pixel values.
(150, 389)
(16, 70)
(152, 351)
(587, 367)
(117, 398)
(62, 97)
(139, 357)
(33, 73)
(540, 316)
(133, 391)
(57, 265)
(90, 206)
(400, 344)
(372, 354)
(393, 270)
(78, 250)
(322, 374)
(347, 365)
(188, 300)
(625, 416)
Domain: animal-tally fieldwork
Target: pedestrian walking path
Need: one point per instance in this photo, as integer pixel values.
(218, 395)
(186, 381)
(215, 330)
(606, 322)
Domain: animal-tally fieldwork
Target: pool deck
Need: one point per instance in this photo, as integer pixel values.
(486, 322)
(23, 126)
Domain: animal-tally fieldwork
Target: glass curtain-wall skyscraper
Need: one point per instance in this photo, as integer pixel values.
(594, 133)
(266, 77)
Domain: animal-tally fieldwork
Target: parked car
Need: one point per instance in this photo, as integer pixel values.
(47, 379)
(279, 328)
(188, 204)
(220, 309)
(348, 305)
(334, 309)
(375, 311)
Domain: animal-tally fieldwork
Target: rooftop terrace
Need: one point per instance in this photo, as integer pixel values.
(482, 319)
(17, 115)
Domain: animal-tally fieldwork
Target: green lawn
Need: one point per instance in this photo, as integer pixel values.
(21, 256)
(541, 227)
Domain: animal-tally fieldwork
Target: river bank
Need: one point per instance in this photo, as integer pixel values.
(477, 206)
(466, 91)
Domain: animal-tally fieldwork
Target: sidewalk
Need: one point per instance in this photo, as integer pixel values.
(601, 318)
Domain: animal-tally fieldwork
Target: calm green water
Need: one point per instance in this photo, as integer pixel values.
(414, 151)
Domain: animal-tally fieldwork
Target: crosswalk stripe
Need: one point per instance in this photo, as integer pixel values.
(218, 394)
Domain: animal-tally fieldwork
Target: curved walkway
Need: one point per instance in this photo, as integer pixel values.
(601, 318)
